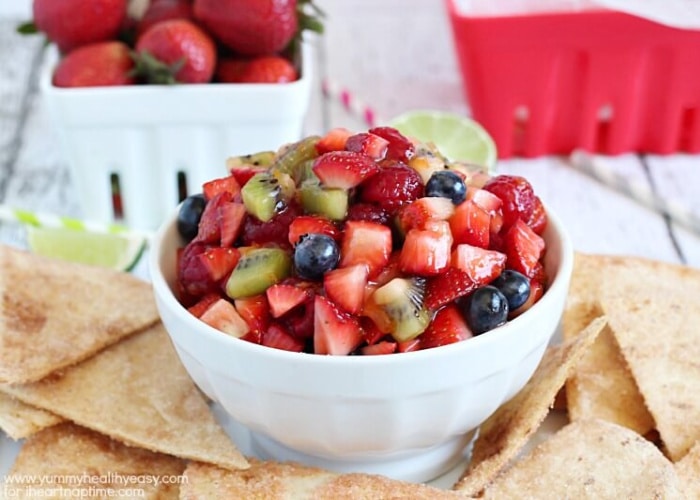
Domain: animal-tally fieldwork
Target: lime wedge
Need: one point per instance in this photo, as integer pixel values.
(457, 137)
(120, 251)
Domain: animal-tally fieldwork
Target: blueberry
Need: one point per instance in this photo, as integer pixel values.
(189, 216)
(515, 286)
(314, 255)
(487, 309)
(446, 184)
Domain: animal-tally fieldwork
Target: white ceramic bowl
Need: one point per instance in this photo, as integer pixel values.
(408, 416)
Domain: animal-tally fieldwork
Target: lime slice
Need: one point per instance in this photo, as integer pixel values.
(120, 251)
(457, 137)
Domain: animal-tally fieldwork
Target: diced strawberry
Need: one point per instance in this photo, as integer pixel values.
(426, 252)
(253, 336)
(383, 347)
(283, 298)
(231, 217)
(306, 224)
(523, 248)
(536, 292)
(255, 311)
(277, 337)
(244, 172)
(202, 268)
(224, 184)
(370, 331)
(447, 287)
(369, 144)
(344, 169)
(400, 147)
(517, 195)
(538, 218)
(223, 316)
(389, 272)
(203, 304)
(335, 332)
(209, 224)
(485, 199)
(448, 326)
(300, 320)
(471, 224)
(366, 243)
(219, 261)
(409, 345)
(417, 214)
(482, 265)
(334, 140)
(345, 286)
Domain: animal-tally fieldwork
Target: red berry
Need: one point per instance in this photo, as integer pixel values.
(392, 187)
(538, 218)
(334, 140)
(517, 196)
(74, 23)
(163, 10)
(400, 147)
(447, 287)
(179, 42)
(523, 248)
(264, 69)
(344, 169)
(368, 144)
(250, 27)
(95, 65)
(448, 326)
(306, 224)
(368, 212)
(275, 231)
(278, 337)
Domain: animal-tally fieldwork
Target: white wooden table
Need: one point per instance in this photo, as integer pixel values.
(395, 55)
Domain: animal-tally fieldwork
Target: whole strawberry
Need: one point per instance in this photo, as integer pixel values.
(72, 23)
(176, 51)
(163, 10)
(264, 69)
(250, 27)
(95, 65)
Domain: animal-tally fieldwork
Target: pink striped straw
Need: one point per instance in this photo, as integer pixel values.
(332, 90)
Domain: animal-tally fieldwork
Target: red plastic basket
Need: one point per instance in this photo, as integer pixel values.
(603, 81)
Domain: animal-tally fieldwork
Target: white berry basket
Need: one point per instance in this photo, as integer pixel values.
(157, 143)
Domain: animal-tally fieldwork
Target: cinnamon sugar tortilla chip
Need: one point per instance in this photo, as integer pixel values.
(590, 459)
(505, 432)
(19, 420)
(54, 313)
(653, 310)
(601, 385)
(67, 461)
(291, 481)
(137, 392)
(688, 470)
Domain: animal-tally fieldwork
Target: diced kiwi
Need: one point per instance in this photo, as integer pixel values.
(402, 301)
(304, 172)
(329, 202)
(296, 153)
(262, 196)
(257, 270)
(261, 159)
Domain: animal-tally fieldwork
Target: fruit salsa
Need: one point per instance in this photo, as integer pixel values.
(360, 243)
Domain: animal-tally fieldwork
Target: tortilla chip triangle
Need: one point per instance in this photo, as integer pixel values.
(601, 385)
(19, 420)
(75, 462)
(506, 431)
(590, 459)
(54, 314)
(137, 392)
(652, 309)
(291, 481)
(688, 470)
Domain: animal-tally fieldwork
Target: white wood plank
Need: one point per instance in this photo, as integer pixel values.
(677, 178)
(598, 219)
